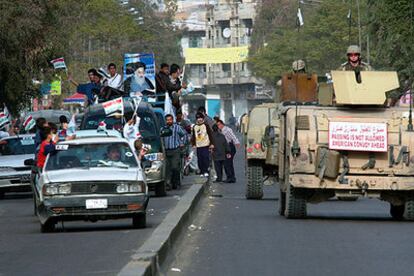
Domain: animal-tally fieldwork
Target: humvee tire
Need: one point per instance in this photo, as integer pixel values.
(409, 208)
(282, 203)
(295, 203)
(254, 186)
(397, 211)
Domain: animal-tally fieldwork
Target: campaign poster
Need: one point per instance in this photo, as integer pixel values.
(131, 62)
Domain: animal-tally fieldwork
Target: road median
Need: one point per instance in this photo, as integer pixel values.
(150, 256)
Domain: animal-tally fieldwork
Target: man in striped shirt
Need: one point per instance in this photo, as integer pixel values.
(233, 143)
(173, 145)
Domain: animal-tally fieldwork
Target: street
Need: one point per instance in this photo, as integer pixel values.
(81, 248)
(234, 236)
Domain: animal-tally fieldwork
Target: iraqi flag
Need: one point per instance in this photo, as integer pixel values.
(4, 117)
(59, 63)
(114, 107)
(29, 123)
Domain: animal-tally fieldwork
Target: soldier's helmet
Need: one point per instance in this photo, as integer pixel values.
(353, 49)
(298, 65)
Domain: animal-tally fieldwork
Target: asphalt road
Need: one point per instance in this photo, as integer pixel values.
(234, 236)
(80, 248)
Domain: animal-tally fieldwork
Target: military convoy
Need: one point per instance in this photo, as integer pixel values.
(339, 140)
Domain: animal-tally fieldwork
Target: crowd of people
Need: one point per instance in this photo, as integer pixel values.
(108, 84)
(213, 141)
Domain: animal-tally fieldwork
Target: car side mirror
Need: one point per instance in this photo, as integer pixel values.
(29, 162)
(165, 132)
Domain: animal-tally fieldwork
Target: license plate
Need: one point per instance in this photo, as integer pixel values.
(96, 203)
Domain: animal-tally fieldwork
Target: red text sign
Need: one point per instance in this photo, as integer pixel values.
(358, 136)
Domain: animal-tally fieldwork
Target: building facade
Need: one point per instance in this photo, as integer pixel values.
(227, 85)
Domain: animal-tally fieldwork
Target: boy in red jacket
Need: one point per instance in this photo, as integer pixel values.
(47, 146)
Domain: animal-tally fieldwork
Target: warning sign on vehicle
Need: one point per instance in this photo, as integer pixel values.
(356, 136)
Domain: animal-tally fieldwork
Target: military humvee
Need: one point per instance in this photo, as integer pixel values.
(261, 144)
(353, 145)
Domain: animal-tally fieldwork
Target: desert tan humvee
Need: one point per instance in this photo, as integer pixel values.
(261, 147)
(348, 144)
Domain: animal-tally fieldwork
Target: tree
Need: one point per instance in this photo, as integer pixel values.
(321, 42)
(26, 49)
(392, 32)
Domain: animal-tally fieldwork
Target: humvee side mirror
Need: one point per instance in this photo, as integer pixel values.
(165, 132)
(29, 162)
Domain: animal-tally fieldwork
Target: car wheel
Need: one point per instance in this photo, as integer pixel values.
(47, 227)
(139, 221)
(160, 189)
(396, 211)
(34, 205)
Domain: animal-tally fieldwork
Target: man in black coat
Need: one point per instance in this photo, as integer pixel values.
(221, 152)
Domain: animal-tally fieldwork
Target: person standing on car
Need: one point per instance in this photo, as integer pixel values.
(115, 80)
(173, 145)
(221, 152)
(202, 140)
(233, 143)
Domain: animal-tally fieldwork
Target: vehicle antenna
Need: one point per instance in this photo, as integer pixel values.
(295, 145)
(349, 16)
(410, 116)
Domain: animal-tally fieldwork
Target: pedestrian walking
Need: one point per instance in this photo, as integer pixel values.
(173, 145)
(221, 152)
(202, 140)
(233, 143)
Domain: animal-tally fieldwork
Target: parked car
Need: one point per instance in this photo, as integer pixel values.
(91, 179)
(154, 163)
(14, 175)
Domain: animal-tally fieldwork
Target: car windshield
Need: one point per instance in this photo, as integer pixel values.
(147, 127)
(116, 155)
(18, 145)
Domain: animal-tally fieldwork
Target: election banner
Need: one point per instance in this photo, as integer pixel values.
(132, 60)
(29, 123)
(216, 55)
(59, 63)
(53, 88)
(356, 136)
(114, 107)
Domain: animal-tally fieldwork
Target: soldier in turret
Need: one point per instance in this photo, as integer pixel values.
(354, 60)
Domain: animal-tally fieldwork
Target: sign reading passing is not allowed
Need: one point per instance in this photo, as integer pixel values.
(355, 136)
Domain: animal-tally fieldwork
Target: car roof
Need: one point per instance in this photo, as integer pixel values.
(20, 136)
(90, 133)
(94, 140)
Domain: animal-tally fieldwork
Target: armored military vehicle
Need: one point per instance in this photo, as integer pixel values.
(347, 144)
(261, 143)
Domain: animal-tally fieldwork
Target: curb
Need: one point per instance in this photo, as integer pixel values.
(148, 258)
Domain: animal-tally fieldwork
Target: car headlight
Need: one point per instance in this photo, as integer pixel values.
(51, 190)
(64, 189)
(122, 188)
(57, 189)
(135, 188)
